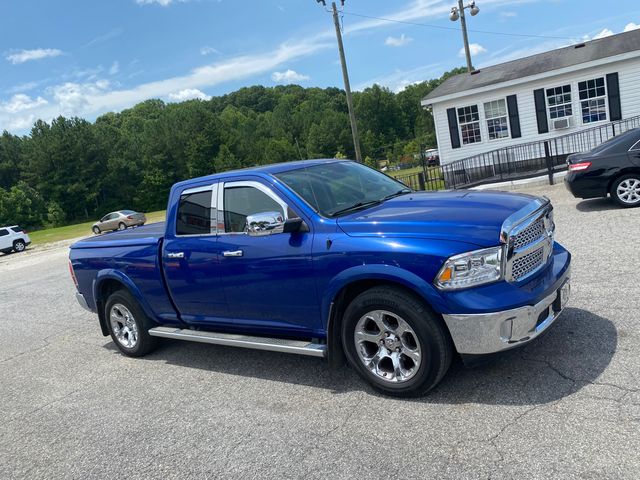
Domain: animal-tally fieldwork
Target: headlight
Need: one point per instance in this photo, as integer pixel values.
(471, 269)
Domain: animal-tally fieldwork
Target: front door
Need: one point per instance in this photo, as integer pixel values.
(191, 262)
(268, 280)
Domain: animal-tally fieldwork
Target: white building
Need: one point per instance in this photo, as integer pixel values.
(538, 97)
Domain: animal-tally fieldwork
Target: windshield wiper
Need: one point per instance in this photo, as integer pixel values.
(371, 203)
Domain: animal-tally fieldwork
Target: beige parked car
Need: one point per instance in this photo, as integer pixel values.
(119, 221)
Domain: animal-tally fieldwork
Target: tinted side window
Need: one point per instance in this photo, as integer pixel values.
(16, 229)
(4, 232)
(194, 214)
(239, 202)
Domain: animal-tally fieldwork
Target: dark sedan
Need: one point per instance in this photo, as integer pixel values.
(612, 168)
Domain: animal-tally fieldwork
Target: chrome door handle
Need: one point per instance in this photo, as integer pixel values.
(175, 255)
(233, 253)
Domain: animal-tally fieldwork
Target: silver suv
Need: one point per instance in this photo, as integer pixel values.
(13, 238)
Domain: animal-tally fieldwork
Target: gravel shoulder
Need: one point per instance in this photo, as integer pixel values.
(566, 406)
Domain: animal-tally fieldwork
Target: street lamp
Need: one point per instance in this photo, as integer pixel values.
(458, 13)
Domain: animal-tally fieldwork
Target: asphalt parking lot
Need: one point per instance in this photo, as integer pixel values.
(566, 406)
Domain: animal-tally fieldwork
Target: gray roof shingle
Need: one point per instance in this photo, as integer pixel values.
(540, 63)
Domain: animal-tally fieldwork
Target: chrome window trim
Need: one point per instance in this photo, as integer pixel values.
(214, 199)
(633, 147)
(246, 183)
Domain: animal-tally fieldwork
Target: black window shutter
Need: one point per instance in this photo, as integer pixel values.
(541, 110)
(514, 116)
(453, 127)
(613, 92)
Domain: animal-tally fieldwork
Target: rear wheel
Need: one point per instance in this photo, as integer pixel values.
(625, 191)
(395, 342)
(128, 325)
(19, 246)
(121, 226)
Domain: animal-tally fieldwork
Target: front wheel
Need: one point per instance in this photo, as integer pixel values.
(625, 191)
(128, 325)
(19, 246)
(96, 230)
(395, 342)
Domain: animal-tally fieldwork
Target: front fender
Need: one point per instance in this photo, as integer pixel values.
(384, 272)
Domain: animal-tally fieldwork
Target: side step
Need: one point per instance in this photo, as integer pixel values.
(233, 340)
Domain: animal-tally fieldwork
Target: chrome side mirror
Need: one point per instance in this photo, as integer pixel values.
(266, 223)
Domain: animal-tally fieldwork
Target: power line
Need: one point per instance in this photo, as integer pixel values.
(441, 27)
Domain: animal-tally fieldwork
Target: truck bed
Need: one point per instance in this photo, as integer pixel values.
(150, 234)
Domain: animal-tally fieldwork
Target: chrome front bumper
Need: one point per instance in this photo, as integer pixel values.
(82, 301)
(484, 333)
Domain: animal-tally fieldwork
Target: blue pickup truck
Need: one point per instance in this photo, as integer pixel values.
(330, 258)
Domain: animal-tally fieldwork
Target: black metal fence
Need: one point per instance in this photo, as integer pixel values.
(530, 159)
(516, 162)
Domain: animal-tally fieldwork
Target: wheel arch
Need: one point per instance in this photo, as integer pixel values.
(349, 285)
(106, 283)
(622, 173)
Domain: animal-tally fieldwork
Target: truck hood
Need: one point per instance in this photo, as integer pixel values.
(469, 216)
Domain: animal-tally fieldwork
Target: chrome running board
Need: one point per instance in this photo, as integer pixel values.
(233, 340)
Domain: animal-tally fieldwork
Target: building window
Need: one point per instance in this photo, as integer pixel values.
(559, 101)
(495, 113)
(593, 100)
(469, 121)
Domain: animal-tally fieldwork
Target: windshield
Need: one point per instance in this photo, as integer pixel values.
(338, 188)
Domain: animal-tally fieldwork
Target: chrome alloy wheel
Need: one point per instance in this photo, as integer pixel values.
(629, 190)
(387, 346)
(123, 325)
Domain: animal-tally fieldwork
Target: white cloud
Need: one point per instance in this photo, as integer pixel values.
(209, 50)
(507, 15)
(164, 3)
(474, 49)
(604, 33)
(21, 102)
(115, 68)
(75, 98)
(188, 94)
(400, 41)
(288, 76)
(23, 87)
(36, 54)
(631, 26)
(400, 79)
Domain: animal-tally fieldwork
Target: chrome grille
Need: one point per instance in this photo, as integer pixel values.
(530, 234)
(526, 264)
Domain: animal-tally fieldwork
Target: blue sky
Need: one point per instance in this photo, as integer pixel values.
(86, 57)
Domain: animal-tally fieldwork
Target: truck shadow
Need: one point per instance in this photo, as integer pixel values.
(572, 354)
(597, 205)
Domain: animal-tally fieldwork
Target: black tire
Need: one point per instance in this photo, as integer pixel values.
(145, 343)
(434, 342)
(615, 194)
(19, 246)
(122, 226)
(96, 230)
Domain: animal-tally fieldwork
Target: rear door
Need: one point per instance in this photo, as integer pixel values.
(5, 239)
(191, 261)
(634, 153)
(268, 280)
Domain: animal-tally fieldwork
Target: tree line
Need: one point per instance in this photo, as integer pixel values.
(71, 169)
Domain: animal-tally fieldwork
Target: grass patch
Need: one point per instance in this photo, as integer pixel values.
(79, 230)
(406, 171)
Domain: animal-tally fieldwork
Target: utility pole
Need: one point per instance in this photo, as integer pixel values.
(347, 86)
(465, 36)
(458, 12)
